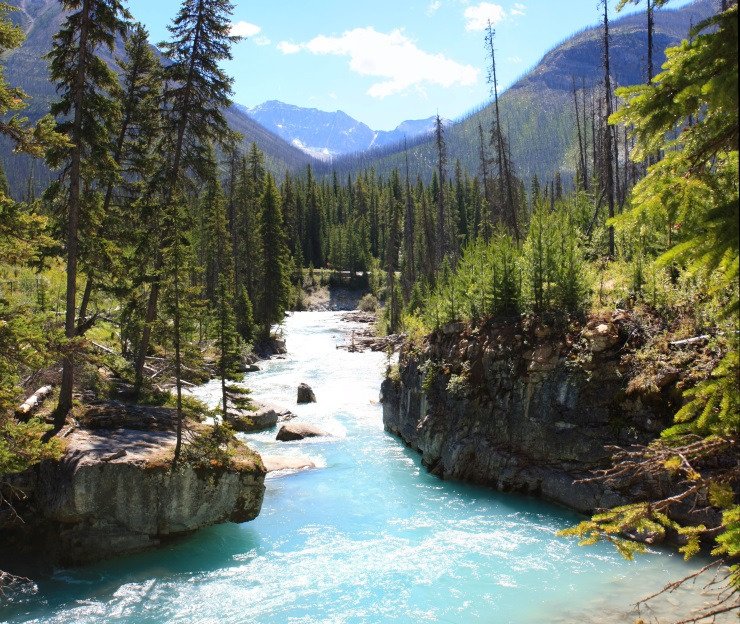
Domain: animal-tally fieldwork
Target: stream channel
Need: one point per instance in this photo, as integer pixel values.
(367, 536)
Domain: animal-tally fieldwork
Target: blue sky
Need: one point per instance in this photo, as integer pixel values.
(384, 61)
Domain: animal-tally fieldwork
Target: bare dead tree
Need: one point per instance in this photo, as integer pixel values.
(608, 139)
(441, 242)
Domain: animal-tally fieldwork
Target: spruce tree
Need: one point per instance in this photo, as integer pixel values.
(409, 233)
(441, 172)
(395, 205)
(86, 112)
(223, 303)
(274, 284)
(132, 140)
(196, 92)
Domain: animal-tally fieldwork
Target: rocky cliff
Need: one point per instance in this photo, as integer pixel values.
(523, 407)
(115, 491)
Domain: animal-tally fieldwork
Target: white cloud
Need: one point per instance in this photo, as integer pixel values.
(433, 7)
(478, 16)
(515, 60)
(286, 47)
(518, 9)
(393, 57)
(244, 29)
(262, 40)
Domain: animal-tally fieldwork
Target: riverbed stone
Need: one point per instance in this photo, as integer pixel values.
(306, 394)
(274, 463)
(299, 431)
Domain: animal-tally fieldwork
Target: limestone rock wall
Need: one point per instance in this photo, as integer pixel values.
(114, 492)
(524, 408)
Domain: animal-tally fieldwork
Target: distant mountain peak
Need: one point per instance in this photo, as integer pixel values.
(326, 135)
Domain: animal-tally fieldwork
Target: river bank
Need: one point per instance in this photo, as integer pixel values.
(367, 535)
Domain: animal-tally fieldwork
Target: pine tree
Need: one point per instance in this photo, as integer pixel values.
(86, 113)
(499, 143)
(313, 252)
(274, 285)
(197, 91)
(441, 175)
(463, 232)
(409, 233)
(132, 141)
(223, 302)
(488, 218)
(180, 296)
(395, 206)
(608, 136)
(246, 215)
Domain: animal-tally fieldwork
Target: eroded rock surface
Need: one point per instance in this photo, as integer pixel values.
(527, 409)
(114, 492)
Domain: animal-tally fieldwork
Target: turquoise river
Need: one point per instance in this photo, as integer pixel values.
(367, 536)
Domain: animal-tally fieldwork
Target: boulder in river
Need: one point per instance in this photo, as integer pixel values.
(299, 431)
(261, 418)
(274, 463)
(249, 422)
(305, 394)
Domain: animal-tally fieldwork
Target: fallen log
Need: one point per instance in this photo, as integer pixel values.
(690, 341)
(103, 348)
(32, 403)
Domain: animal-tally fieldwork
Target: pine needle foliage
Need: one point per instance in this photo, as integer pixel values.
(689, 114)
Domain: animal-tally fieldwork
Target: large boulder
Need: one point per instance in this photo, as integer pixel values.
(306, 394)
(116, 492)
(273, 463)
(262, 418)
(299, 431)
(250, 422)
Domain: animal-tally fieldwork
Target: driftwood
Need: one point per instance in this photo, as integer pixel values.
(690, 341)
(32, 403)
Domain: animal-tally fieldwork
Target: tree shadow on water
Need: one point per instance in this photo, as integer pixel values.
(181, 558)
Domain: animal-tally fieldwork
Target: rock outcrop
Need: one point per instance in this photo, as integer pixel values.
(115, 491)
(261, 418)
(305, 394)
(299, 431)
(526, 408)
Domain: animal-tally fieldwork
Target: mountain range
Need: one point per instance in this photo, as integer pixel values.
(326, 135)
(26, 67)
(537, 110)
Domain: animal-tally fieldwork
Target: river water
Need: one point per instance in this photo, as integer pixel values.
(368, 536)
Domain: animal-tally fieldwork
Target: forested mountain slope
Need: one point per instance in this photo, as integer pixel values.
(27, 68)
(538, 111)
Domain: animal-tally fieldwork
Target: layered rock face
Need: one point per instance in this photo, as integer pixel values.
(526, 408)
(115, 492)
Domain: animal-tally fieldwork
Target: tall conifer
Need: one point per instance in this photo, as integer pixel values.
(86, 112)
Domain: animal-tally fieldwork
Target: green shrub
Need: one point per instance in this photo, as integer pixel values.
(368, 303)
